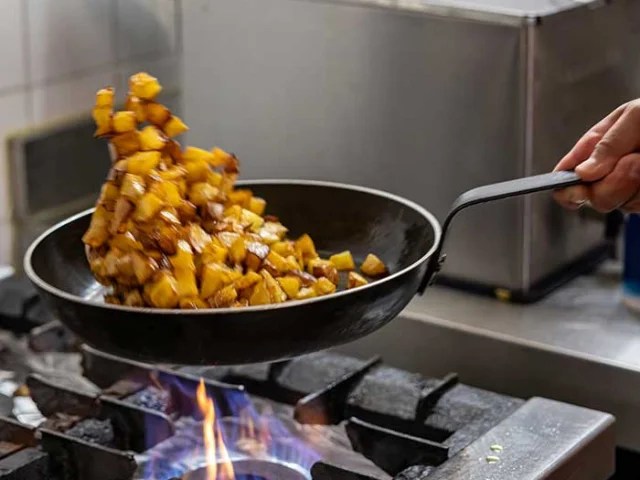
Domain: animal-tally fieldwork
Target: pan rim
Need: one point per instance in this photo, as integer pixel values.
(433, 221)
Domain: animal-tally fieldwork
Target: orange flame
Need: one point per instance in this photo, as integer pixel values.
(213, 439)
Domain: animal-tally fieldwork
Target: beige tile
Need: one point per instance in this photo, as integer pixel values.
(68, 36)
(70, 97)
(13, 116)
(145, 27)
(6, 247)
(12, 46)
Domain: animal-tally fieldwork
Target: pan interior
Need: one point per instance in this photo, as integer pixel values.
(336, 218)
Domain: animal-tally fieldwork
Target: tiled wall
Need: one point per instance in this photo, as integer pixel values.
(56, 53)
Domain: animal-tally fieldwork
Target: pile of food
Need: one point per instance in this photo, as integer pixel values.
(170, 230)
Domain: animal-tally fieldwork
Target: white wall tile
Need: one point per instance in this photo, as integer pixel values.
(145, 27)
(12, 46)
(14, 115)
(69, 97)
(67, 36)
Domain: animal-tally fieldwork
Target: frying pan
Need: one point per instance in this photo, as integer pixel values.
(338, 217)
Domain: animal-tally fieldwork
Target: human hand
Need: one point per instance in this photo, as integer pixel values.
(609, 156)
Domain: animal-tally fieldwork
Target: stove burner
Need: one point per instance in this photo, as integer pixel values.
(254, 470)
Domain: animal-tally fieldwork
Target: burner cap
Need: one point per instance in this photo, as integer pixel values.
(251, 469)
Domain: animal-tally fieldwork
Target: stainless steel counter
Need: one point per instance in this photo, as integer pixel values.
(580, 345)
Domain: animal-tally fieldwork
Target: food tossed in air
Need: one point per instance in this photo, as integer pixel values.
(171, 230)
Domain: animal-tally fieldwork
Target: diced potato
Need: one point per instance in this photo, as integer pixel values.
(124, 122)
(163, 291)
(193, 154)
(170, 215)
(167, 238)
(285, 248)
(141, 163)
(343, 261)
(356, 280)
(103, 118)
(98, 232)
(168, 192)
(240, 197)
(104, 97)
(214, 253)
(121, 213)
(238, 251)
(187, 287)
(290, 285)
(193, 303)
(220, 157)
(307, 247)
(133, 187)
(373, 266)
(214, 178)
(198, 238)
(257, 205)
(272, 232)
(126, 143)
(280, 263)
(133, 104)
(306, 293)
(228, 238)
(156, 113)
(148, 206)
(173, 173)
(183, 259)
(256, 253)
(260, 295)
(134, 299)
(247, 280)
(144, 86)
(125, 242)
(109, 194)
(151, 138)
(323, 268)
(276, 293)
(143, 267)
(324, 286)
(174, 127)
(197, 171)
(202, 193)
(306, 279)
(215, 277)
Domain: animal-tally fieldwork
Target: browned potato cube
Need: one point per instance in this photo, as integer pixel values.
(133, 187)
(306, 293)
(257, 205)
(260, 295)
(125, 242)
(247, 280)
(214, 253)
(324, 286)
(276, 293)
(163, 292)
(225, 297)
(214, 178)
(104, 97)
(280, 263)
(157, 114)
(197, 171)
(133, 104)
(102, 116)
(98, 232)
(108, 195)
(215, 277)
(173, 174)
(256, 253)
(143, 267)
(121, 213)
(133, 299)
(126, 143)
(290, 285)
(187, 287)
(151, 138)
(174, 127)
(124, 122)
(373, 266)
(198, 238)
(240, 197)
(183, 259)
(238, 251)
(193, 154)
(343, 261)
(168, 192)
(193, 303)
(323, 268)
(148, 206)
(220, 157)
(356, 280)
(144, 86)
(202, 193)
(307, 248)
(141, 163)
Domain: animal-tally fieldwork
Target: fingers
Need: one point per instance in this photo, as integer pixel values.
(623, 138)
(618, 187)
(587, 144)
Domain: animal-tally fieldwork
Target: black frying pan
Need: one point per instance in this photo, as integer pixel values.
(338, 217)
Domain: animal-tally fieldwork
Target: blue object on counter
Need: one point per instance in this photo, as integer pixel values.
(631, 276)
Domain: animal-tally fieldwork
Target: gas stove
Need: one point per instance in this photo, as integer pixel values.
(75, 413)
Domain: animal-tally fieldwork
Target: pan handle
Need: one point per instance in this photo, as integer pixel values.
(489, 193)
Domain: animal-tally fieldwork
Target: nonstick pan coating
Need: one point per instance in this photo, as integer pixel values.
(338, 217)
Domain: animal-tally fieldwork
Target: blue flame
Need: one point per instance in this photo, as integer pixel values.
(184, 452)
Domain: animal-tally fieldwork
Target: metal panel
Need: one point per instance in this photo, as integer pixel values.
(419, 105)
